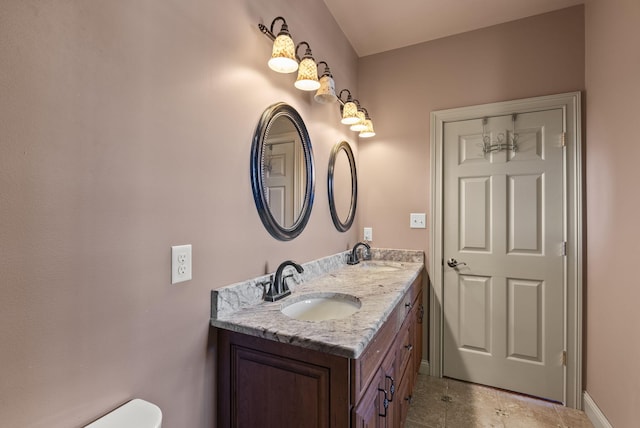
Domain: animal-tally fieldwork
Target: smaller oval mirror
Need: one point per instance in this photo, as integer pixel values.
(282, 175)
(343, 186)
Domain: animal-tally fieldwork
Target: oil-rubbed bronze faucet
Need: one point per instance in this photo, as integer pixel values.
(279, 288)
(353, 258)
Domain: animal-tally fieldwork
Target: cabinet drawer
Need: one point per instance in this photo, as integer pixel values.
(405, 347)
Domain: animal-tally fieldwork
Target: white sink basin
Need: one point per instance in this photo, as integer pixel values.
(381, 266)
(321, 306)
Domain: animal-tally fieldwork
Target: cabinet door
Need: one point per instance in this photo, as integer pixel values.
(369, 412)
(267, 384)
(299, 391)
(404, 398)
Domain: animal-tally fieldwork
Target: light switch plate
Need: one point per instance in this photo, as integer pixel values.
(418, 221)
(180, 263)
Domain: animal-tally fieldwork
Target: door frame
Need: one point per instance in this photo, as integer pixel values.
(570, 103)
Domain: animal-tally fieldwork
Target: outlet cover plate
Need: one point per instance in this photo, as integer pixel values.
(368, 234)
(180, 263)
(418, 221)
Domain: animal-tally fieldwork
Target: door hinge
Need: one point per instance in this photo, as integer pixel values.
(563, 139)
(564, 248)
(564, 358)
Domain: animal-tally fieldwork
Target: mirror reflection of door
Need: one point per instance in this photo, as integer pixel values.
(342, 185)
(284, 174)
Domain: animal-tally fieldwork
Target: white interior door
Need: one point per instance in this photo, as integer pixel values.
(280, 181)
(504, 216)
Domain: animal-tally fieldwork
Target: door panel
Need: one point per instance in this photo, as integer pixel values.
(525, 319)
(524, 199)
(475, 213)
(475, 313)
(503, 216)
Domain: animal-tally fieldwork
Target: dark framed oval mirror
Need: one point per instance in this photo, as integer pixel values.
(282, 171)
(343, 186)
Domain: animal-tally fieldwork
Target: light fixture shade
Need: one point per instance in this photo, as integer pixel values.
(359, 126)
(283, 55)
(307, 75)
(368, 132)
(327, 92)
(350, 113)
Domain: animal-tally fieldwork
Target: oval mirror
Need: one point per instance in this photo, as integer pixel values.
(343, 186)
(282, 174)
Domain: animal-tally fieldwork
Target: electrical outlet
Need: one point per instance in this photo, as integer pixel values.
(418, 221)
(368, 234)
(180, 263)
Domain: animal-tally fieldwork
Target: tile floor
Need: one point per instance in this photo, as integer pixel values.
(447, 403)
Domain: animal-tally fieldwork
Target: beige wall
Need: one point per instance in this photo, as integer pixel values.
(536, 56)
(125, 128)
(612, 315)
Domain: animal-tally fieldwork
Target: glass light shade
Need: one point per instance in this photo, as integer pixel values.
(368, 132)
(359, 126)
(327, 92)
(350, 113)
(283, 55)
(307, 75)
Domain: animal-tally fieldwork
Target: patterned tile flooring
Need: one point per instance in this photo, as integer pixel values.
(448, 403)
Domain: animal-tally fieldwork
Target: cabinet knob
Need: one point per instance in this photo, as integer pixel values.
(409, 399)
(408, 306)
(408, 347)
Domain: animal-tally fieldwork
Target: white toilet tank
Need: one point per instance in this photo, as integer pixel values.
(136, 413)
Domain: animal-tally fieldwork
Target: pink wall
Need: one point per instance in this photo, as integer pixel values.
(612, 315)
(535, 56)
(125, 128)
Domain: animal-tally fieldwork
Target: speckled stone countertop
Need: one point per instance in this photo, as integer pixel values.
(379, 284)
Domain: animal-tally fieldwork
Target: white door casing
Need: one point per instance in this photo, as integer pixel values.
(569, 104)
(503, 217)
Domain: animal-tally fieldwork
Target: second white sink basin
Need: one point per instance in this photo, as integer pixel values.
(381, 266)
(321, 306)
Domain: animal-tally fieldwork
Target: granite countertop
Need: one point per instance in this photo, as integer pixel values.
(379, 284)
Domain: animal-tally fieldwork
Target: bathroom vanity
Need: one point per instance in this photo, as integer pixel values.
(356, 371)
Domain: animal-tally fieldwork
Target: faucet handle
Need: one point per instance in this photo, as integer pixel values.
(270, 289)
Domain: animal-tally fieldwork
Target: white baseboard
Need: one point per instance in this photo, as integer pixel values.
(593, 412)
(424, 367)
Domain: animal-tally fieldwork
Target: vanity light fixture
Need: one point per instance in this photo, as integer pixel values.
(285, 59)
(368, 131)
(307, 71)
(283, 54)
(327, 92)
(349, 109)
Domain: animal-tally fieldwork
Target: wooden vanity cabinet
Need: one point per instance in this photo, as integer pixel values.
(394, 377)
(271, 384)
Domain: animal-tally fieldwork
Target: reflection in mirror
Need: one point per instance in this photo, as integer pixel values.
(343, 186)
(284, 178)
(282, 174)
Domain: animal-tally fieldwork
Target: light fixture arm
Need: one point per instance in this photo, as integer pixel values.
(307, 52)
(269, 31)
(327, 70)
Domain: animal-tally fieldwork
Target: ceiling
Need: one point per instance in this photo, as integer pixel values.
(374, 26)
